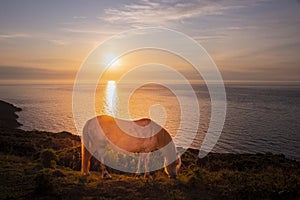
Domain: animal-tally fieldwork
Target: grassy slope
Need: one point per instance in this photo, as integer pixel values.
(217, 176)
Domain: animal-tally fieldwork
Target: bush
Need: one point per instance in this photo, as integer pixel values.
(48, 158)
(43, 183)
(71, 158)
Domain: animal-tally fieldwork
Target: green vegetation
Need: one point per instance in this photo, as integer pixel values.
(47, 165)
(43, 165)
(48, 158)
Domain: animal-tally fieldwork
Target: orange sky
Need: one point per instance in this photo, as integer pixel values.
(248, 40)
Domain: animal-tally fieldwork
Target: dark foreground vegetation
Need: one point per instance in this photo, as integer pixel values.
(42, 165)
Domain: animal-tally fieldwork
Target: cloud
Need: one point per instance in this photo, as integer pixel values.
(13, 36)
(210, 37)
(58, 42)
(51, 60)
(154, 12)
(88, 31)
(79, 17)
(279, 73)
(31, 73)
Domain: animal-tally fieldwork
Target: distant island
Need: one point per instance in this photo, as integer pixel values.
(38, 164)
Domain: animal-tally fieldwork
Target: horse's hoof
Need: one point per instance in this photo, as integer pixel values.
(138, 176)
(173, 177)
(148, 176)
(86, 173)
(107, 176)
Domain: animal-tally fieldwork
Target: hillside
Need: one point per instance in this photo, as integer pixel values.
(36, 164)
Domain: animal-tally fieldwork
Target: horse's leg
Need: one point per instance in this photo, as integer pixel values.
(85, 160)
(105, 173)
(147, 172)
(138, 171)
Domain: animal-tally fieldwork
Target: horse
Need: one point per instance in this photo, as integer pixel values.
(144, 137)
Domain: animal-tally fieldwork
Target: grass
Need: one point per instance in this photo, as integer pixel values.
(27, 172)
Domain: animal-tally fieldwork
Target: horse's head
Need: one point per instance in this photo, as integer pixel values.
(173, 168)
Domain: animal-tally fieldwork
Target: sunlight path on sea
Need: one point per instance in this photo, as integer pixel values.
(111, 97)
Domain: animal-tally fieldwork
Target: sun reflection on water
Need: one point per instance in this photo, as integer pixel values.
(111, 97)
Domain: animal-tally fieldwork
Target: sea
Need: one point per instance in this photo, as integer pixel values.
(260, 117)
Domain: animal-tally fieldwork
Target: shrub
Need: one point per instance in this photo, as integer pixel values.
(43, 183)
(48, 158)
(71, 158)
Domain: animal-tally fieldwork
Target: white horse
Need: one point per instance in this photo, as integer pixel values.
(104, 130)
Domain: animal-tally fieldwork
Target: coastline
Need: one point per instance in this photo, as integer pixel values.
(8, 116)
(230, 176)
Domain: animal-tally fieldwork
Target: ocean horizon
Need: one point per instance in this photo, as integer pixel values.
(261, 117)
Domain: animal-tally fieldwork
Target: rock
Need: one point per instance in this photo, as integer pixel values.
(8, 117)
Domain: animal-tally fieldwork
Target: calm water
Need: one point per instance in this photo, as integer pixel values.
(260, 118)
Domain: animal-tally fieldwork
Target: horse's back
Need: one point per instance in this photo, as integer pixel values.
(143, 122)
(131, 135)
(106, 119)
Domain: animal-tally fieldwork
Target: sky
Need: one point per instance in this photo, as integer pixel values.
(47, 41)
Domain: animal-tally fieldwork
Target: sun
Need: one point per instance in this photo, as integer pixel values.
(111, 60)
(116, 63)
